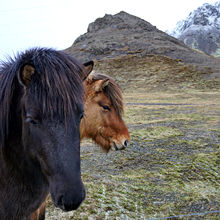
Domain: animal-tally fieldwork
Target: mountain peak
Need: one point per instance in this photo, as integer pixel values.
(207, 15)
(201, 29)
(123, 34)
(121, 20)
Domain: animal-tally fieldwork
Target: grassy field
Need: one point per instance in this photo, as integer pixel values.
(172, 164)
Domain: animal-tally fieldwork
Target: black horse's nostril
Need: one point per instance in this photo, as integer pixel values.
(60, 202)
(125, 143)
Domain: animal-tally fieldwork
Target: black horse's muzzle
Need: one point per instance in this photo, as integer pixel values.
(67, 195)
(68, 202)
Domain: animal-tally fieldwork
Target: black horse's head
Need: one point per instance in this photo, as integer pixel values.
(51, 91)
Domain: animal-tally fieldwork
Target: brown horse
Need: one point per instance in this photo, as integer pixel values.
(103, 105)
(103, 123)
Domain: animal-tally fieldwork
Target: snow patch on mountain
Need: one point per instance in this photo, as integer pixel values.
(201, 29)
(207, 16)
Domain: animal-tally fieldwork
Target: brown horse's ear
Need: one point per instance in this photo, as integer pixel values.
(100, 85)
(25, 74)
(88, 67)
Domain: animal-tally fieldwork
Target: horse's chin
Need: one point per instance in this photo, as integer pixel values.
(108, 145)
(116, 147)
(103, 143)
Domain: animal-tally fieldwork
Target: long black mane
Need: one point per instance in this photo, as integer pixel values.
(56, 86)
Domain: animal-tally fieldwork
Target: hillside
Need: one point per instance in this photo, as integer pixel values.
(123, 34)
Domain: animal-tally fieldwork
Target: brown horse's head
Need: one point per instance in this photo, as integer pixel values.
(103, 104)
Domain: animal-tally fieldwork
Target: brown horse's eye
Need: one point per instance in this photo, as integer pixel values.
(105, 107)
(82, 115)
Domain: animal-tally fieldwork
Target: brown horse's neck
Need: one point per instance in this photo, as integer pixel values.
(82, 129)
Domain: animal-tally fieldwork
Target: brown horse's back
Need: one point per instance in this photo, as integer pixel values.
(40, 213)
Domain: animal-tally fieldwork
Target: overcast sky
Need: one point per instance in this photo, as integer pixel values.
(57, 23)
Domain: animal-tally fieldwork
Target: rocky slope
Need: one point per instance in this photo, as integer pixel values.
(201, 29)
(123, 34)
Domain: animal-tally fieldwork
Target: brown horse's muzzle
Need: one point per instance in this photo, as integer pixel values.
(120, 146)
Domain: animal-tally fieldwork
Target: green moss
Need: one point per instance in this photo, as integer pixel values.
(171, 166)
(152, 133)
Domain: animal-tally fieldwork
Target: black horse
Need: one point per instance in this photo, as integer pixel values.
(41, 106)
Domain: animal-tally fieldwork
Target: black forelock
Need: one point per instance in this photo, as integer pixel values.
(56, 85)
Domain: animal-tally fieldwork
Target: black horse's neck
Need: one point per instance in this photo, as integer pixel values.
(23, 174)
(26, 185)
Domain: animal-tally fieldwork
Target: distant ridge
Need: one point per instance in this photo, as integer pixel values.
(201, 29)
(124, 34)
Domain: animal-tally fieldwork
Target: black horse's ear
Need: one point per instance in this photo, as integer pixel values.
(25, 74)
(88, 67)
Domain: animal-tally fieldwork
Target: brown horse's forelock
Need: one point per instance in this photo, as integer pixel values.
(113, 92)
(56, 85)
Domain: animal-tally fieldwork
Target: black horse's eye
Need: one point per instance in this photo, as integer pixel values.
(31, 120)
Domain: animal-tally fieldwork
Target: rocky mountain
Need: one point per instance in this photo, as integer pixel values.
(123, 34)
(201, 29)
